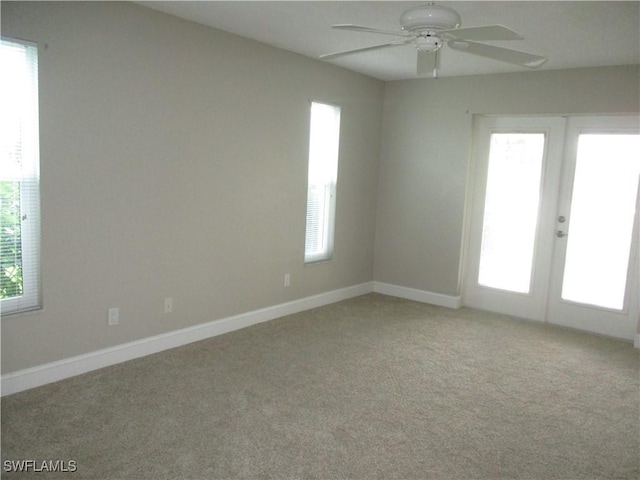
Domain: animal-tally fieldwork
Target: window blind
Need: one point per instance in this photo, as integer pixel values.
(19, 177)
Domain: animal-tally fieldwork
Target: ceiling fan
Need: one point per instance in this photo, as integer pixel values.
(428, 27)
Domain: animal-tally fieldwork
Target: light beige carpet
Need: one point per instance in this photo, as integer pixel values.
(373, 387)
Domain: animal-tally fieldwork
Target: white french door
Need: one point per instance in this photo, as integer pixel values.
(554, 226)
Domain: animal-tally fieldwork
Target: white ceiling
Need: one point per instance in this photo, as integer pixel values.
(571, 34)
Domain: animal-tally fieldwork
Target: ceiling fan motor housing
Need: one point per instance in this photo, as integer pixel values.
(429, 18)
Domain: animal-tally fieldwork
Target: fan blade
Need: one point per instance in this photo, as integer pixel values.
(498, 53)
(359, 28)
(486, 33)
(365, 49)
(426, 63)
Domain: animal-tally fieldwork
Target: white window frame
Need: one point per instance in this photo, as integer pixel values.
(27, 172)
(324, 146)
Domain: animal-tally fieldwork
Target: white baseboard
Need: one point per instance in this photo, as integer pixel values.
(21, 380)
(636, 342)
(52, 372)
(418, 295)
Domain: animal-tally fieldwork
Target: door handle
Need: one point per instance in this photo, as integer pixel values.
(561, 234)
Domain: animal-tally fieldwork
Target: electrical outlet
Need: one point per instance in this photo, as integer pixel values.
(114, 317)
(168, 305)
(287, 279)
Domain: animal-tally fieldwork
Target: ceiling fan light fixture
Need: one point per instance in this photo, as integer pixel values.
(432, 17)
(427, 43)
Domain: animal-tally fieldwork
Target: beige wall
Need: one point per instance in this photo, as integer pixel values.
(174, 163)
(426, 149)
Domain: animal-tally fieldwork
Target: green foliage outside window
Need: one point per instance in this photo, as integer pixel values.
(10, 240)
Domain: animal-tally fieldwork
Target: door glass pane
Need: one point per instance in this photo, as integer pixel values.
(511, 210)
(601, 222)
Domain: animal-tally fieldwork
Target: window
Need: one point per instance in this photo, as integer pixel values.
(511, 210)
(324, 142)
(19, 177)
